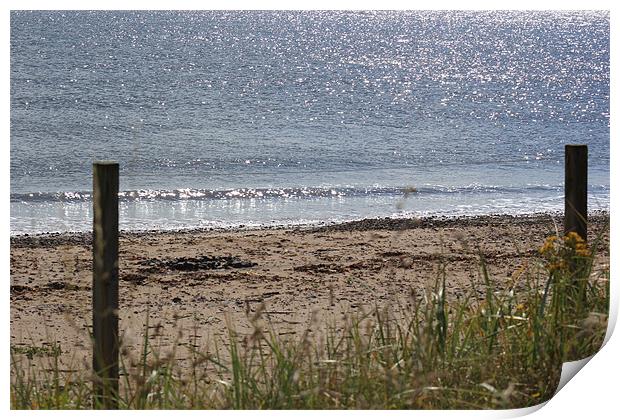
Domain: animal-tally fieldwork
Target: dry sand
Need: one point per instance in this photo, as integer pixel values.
(191, 282)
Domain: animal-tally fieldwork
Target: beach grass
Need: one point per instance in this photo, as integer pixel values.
(502, 350)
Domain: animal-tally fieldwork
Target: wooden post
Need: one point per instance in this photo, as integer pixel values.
(576, 190)
(105, 284)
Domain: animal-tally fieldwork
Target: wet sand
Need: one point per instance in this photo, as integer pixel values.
(191, 284)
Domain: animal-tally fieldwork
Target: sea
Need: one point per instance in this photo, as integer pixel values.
(233, 119)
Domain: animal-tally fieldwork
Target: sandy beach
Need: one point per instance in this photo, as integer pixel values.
(191, 284)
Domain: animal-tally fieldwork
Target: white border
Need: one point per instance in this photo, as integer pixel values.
(593, 394)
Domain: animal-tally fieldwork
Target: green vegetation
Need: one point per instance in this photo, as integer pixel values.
(46, 349)
(501, 350)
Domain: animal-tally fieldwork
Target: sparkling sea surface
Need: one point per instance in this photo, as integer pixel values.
(222, 119)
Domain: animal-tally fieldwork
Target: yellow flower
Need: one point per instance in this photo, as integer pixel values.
(548, 246)
(583, 252)
(560, 253)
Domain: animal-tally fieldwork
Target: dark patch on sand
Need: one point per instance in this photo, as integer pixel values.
(203, 262)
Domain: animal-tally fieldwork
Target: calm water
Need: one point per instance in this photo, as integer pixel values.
(245, 118)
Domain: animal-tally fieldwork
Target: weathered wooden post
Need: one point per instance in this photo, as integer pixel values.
(576, 190)
(105, 284)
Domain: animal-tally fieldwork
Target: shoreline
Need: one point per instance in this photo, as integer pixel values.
(377, 223)
(194, 284)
